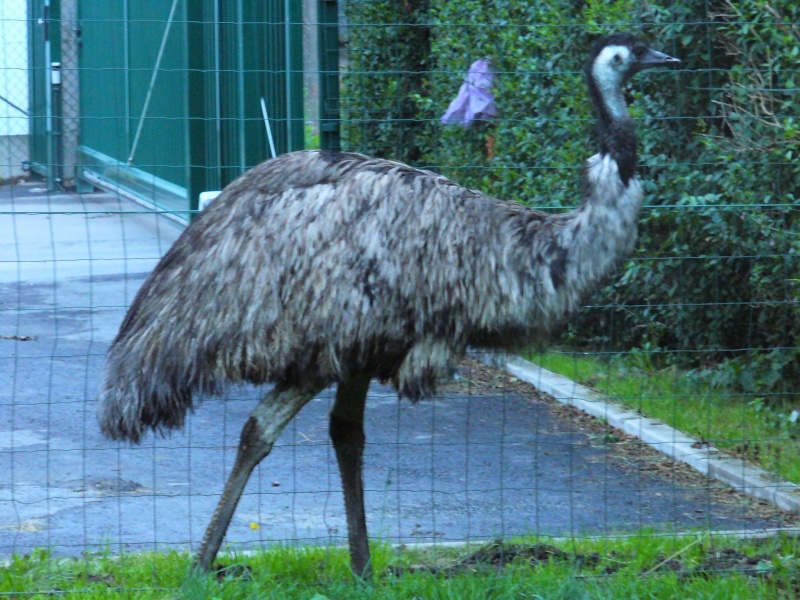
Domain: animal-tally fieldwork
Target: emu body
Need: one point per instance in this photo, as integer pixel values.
(317, 268)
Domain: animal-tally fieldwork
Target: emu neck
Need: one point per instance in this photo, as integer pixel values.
(616, 133)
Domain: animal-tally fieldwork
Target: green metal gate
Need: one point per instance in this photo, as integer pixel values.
(44, 49)
(171, 93)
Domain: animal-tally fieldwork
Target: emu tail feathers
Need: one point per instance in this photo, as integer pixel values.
(134, 396)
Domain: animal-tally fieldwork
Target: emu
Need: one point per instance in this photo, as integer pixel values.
(319, 268)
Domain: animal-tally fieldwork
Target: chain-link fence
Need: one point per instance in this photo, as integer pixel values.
(14, 94)
(660, 424)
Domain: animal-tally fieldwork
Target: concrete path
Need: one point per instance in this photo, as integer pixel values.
(474, 464)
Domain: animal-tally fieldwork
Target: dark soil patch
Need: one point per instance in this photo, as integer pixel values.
(719, 561)
(106, 580)
(499, 555)
(716, 562)
(234, 571)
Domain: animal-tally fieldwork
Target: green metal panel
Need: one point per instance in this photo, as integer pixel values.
(328, 30)
(251, 61)
(203, 126)
(293, 42)
(120, 44)
(203, 142)
(104, 108)
(161, 148)
(231, 74)
(260, 56)
(43, 49)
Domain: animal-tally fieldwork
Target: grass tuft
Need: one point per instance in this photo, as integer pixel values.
(696, 566)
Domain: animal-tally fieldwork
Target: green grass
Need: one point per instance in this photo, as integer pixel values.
(734, 422)
(638, 567)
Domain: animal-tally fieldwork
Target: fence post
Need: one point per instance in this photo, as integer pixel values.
(70, 89)
(44, 49)
(328, 31)
(198, 116)
(294, 74)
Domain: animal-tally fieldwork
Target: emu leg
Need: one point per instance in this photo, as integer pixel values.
(347, 434)
(258, 435)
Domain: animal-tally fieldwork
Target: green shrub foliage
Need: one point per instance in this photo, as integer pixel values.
(714, 282)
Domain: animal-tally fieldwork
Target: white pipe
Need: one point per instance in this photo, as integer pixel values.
(266, 124)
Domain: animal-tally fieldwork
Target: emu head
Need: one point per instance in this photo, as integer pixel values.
(617, 57)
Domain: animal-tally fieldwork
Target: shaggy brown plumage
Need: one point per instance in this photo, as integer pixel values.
(319, 267)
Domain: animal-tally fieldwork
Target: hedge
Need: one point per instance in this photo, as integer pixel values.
(714, 283)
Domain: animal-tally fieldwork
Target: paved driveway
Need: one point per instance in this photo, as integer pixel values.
(477, 463)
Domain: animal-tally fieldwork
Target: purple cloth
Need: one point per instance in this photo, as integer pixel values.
(474, 100)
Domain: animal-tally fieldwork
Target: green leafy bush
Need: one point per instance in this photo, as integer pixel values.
(714, 282)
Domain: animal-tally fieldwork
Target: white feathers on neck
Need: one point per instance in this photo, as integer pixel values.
(608, 72)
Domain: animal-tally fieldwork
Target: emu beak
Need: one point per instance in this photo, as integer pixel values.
(654, 58)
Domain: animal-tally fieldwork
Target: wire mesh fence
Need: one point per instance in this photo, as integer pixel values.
(694, 340)
(14, 96)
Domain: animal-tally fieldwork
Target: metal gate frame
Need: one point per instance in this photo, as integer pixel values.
(44, 60)
(230, 55)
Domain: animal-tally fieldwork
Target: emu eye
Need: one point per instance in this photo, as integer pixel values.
(616, 59)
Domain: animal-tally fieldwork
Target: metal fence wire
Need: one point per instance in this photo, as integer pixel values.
(667, 408)
(14, 96)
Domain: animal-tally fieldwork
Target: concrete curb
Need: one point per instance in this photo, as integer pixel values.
(746, 478)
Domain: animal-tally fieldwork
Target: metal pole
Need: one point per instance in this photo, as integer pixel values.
(55, 139)
(217, 94)
(127, 65)
(269, 129)
(288, 57)
(48, 95)
(328, 32)
(12, 105)
(241, 120)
